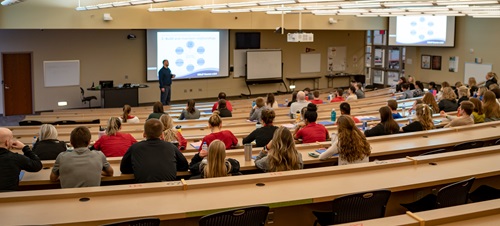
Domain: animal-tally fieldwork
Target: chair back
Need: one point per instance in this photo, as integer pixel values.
(438, 151)
(468, 145)
(137, 222)
(64, 122)
(497, 142)
(360, 206)
(249, 216)
(30, 123)
(454, 194)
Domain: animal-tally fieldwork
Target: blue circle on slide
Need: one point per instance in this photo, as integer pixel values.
(430, 32)
(179, 62)
(179, 50)
(413, 32)
(200, 61)
(421, 37)
(190, 68)
(422, 19)
(413, 23)
(430, 24)
(201, 50)
(190, 44)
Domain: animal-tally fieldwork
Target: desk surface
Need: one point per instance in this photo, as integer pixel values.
(169, 201)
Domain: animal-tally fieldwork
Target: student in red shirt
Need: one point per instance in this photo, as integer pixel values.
(311, 132)
(170, 134)
(316, 99)
(338, 96)
(114, 143)
(222, 96)
(226, 136)
(345, 109)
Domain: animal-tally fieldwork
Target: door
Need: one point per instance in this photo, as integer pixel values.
(17, 83)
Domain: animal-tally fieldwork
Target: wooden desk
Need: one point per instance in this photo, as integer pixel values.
(168, 200)
(315, 80)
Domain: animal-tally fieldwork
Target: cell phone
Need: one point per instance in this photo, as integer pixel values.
(314, 155)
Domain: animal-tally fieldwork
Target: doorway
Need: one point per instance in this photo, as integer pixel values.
(17, 85)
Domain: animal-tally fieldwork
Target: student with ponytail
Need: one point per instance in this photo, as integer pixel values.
(226, 136)
(127, 117)
(170, 134)
(423, 120)
(114, 143)
(190, 112)
(311, 132)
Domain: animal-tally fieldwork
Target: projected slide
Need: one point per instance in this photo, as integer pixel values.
(191, 54)
(421, 30)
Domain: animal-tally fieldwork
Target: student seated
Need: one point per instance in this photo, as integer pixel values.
(345, 109)
(351, 94)
(463, 94)
(297, 106)
(448, 100)
(439, 95)
(222, 109)
(222, 96)
(127, 117)
(472, 86)
(478, 113)
(338, 96)
(294, 98)
(48, 147)
(280, 154)
(411, 82)
(157, 111)
(114, 143)
(12, 163)
(271, 101)
(172, 135)
(465, 111)
(423, 120)
(480, 92)
(393, 105)
(316, 99)
(490, 107)
(491, 78)
(386, 126)
(153, 160)
(256, 111)
(190, 112)
(432, 88)
(359, 91)
(431, 102)
(311, 132)
(309, 95)
(401, 81)
(80, 167)
(263, 135)
(226, 136)
(419, 89)
(214, 163)
(350, 143)
(407, 93)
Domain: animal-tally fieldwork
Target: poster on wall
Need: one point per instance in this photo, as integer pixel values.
(453, 64)
(337, 58)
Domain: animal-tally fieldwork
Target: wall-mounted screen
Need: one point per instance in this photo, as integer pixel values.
(192, 54)
(422, 30)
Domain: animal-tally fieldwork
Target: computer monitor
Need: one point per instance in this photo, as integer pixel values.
(106, 84)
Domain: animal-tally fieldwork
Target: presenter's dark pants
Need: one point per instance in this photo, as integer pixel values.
(165, 96)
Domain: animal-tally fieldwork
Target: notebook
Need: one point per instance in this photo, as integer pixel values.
(326, 123)
(196, 145)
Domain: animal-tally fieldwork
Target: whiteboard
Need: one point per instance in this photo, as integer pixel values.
(477, 71)
(61, 73)
(239, 62)
(264, 65)
(310, 62)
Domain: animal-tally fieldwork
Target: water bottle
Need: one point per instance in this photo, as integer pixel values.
(297, 117)
(253, 103)
(247, 152)
(286, 102)
(333, 115)
(403, 111)
(34, 141)
(102, 131)
(204, 146)
(365, 124)
(258, 125)
(179, 128)
(475, 94)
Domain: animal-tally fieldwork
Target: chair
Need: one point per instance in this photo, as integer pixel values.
(85, 99)
(438, 151)
(30, 123)
(497, 142)
(137, 222)
(249, 216)
(355, 207)
(468, 145)
(484, 193)
(451, 195)
(64, 122)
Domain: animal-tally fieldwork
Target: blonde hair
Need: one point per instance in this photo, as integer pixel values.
(472, 82)
(47, 132)
(114, 125)
(215, 120)
(283, 155)
(429, 100)
(216, 160)
(482, 90)
(463, 91)
(490, 105)
(126, 112)
(424, 116)
(492, 74)
(448, 94)
(352, 143)
(169, 132)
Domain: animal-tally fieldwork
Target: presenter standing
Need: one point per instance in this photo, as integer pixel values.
(165, 77)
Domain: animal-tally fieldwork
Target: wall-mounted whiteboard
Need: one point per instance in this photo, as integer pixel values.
(310, 62)
(478, 71)
(239, 62)
(264, 65)
(61, 73)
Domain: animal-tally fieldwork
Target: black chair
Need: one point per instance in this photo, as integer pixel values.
(30, 123)
(484, 193)
(497, 142)
(64, 122)
(438, 151)
(355, 207)
(468, 145)
(249, 216)
(451, 195)
(137, 222)
(85, 99)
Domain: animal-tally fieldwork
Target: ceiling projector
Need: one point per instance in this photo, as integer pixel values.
(10, 2)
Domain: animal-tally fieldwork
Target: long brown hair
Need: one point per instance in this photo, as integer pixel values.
(216, 160)
(490, 105)
(429, 100)
(126, 112)
(158, 107)
(478, 105)
(283, 155)
(352, 144)
(424, 116)
(190, 106)
(386, 119)
(270, 99)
